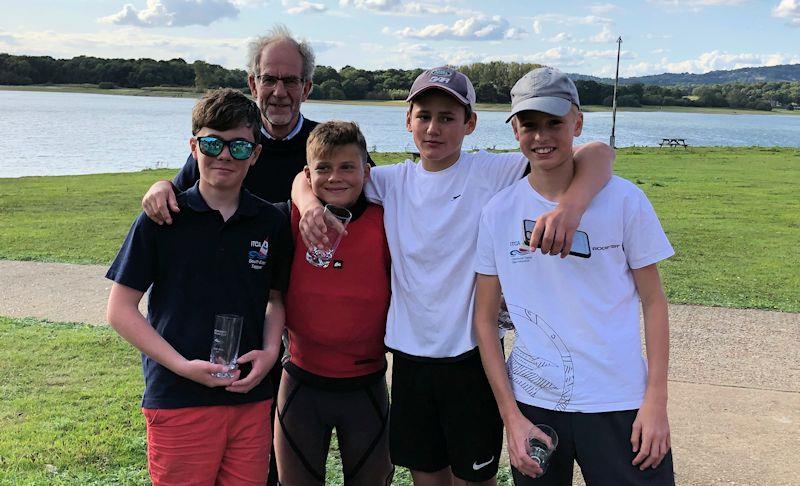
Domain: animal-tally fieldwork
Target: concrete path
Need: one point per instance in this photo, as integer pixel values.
(734, 374)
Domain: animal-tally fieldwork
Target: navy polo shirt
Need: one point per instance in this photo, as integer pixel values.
(200, 266)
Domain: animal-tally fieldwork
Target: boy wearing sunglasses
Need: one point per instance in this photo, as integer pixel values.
(227, 252)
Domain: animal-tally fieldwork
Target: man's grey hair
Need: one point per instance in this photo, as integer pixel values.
(280, 32)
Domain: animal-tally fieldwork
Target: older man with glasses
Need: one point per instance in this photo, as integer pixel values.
(280, 72)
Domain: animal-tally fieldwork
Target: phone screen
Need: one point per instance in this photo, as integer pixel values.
(580, 242)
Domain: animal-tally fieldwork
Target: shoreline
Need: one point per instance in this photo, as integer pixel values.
(384, 158)
(185, 92)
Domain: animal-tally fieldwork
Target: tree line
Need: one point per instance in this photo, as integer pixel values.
(123, 73)
(492, 81)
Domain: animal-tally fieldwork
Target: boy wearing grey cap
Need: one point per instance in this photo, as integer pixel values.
(576, 364)
(444, 421)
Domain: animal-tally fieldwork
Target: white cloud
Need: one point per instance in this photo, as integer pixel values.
(250, 3)
(603, 8)
(379, 5)
(479, 28)
(173, 13)
(295, 7)
(710, 61)
(560, 37)
(134, 43)
(398, 7)
(604, 36)
(409, 56)
(610, 54)
(789, 10)
(322, 45)
(537, 27)
(515, 33)
(417, 8)
(695, 5)
(572, 20)
(563, 58)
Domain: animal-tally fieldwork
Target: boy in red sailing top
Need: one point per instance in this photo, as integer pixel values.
(336, 319)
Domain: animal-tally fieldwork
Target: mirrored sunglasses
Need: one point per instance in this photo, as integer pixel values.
(212, 146)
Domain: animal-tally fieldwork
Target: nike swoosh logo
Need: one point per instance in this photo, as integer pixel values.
(476, 466)
(456, 197)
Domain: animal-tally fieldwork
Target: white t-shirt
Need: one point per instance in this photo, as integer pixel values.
(431, 221)
(577, 347)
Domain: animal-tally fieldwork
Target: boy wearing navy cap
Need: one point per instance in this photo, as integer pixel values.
(576, 365)
(444, 423)
(227, 252)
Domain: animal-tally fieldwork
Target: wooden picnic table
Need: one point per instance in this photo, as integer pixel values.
(673, 142)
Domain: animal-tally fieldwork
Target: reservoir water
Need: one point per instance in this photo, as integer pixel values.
(72, 133)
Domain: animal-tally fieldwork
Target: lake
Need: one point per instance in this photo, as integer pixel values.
(73, 133)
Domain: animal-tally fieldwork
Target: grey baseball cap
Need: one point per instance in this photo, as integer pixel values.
(446, 79)
(544, 89)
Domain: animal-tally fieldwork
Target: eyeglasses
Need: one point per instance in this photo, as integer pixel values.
(239, 149)
(289, 82)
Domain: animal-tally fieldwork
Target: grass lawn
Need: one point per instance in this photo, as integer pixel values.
(159, 91)
(70, 414)
(729, 213)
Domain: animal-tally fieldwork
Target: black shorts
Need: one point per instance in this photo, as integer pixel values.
(307, 416)
(600, 442)
(444, 414)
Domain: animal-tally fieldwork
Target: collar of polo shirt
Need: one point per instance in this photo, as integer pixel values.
(196, 202)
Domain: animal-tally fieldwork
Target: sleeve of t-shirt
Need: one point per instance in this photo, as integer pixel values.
(484, 257)
(282, 251)
(644, 240)
(187, 176)
(136, 263)
(380, 181)
(504, 168)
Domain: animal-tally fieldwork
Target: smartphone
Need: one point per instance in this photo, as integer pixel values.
(580, 242)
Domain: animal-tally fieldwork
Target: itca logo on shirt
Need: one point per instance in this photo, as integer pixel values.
(258, 258)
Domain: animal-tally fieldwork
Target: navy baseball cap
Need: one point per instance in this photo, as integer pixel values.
(544, 89)
(446, 79)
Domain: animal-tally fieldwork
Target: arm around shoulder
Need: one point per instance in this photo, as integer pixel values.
(594, 164)
(159, 200)
(555, 229)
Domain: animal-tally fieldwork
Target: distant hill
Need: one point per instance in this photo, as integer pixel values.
(785, 72)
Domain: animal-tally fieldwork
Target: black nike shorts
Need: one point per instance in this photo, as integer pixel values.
(444, 414)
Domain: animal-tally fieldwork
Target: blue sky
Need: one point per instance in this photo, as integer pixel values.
(658, 35)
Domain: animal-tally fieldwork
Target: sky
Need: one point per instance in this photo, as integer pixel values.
(658, 36)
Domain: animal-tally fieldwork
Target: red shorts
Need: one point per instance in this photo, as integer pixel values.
(225, 445)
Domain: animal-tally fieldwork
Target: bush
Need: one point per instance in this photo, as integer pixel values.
(628, 100)
(106, 85)
(317, 93)
(653, 100)
(398, 94)
(378, 95)
(335, 93)
(763, 105)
